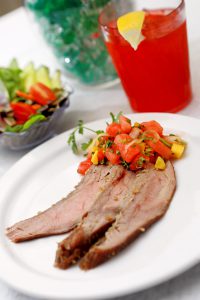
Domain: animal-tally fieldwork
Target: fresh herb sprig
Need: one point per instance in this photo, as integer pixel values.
(80, 129)
(115, 119)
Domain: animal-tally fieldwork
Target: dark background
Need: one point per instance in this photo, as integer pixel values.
(9, 5)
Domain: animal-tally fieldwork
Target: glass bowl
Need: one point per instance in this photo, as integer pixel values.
(38, 132)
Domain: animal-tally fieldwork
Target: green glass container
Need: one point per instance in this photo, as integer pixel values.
(71, 28)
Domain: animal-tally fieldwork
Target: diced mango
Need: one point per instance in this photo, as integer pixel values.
(160, 163)
(95, 148)
(177, 150)
(94, 158)
(136, 124)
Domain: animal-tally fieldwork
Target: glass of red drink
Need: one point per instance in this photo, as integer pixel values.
(156, 76)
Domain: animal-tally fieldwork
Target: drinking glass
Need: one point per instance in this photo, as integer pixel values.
(156, 76)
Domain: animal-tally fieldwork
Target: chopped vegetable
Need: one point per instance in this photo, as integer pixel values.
(56, 80)
(28, 76)
(24, 95)
(84, 166)
(34, 119)
(178, 150)
(22, 111)
(153, 125)
(42, 94)
(160, 163)
(94, 158)
(125, 124)
(134, 147)
(25, 100)
(43, 76)
(16, 128)
(113, 129)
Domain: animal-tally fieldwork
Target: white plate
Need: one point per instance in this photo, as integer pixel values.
(48, 173)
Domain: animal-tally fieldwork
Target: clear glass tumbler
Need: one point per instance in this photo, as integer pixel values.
(156, 76)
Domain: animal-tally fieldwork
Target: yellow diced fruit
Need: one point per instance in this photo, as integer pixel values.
(136, 124)
(160, 163)
(178, 149)
(94, 158)
(95, 148)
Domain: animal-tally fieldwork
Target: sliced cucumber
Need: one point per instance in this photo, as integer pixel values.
(28, 76)
(56, 80)
(42, 75)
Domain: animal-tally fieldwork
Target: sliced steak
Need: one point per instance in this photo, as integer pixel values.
(101, 215)
(67, 213)
(149, 205)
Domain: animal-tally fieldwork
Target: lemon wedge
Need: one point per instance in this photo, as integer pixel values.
(130, 27)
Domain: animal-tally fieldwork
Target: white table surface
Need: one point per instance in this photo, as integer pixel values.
(20, 39)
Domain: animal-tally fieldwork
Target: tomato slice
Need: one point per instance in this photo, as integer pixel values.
(84, 166)
(113, 129)
(161, 149)
(24, 95)
(36, 106)
(128, 154)
(22, 111)
(42, 94)
(125, 124)
(153, 125)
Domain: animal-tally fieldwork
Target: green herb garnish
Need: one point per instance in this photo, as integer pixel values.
(115, 119)
(85, 146)
(80, 129)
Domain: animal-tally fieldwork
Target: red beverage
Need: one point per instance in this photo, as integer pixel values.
(156, 76)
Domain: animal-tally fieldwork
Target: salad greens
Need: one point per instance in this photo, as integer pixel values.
(14, 78)
(28, 96)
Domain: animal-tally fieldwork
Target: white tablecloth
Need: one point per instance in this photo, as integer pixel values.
(20, 39)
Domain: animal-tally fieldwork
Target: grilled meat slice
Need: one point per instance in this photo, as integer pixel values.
(100, 217)
(67, 213)
(149, 205)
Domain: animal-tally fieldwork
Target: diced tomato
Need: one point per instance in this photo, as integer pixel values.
(153, 125)
(22, 111)
(130, 153)
(122, 139)
(125, 124)
(113, 129)
(112, 156)
(139, 161)
(135, 132)
(103, 139)
(84, 166)
(161, 149)
(101, 155)
(151, 135)
(42, 94)
(24, 95)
